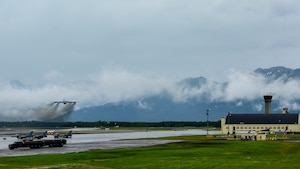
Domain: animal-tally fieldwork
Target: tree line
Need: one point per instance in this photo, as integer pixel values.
(39, 124)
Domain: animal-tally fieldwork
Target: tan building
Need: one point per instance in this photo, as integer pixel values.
(271, 123)
(255, 126)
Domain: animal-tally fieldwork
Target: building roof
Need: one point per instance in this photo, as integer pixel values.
(262, 119)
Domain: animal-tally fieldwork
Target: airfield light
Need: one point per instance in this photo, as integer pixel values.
(207, 111)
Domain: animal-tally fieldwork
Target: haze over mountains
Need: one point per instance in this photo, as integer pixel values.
(188, 99)
(119, 95)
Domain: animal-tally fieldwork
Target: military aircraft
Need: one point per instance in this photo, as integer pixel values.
(68, 135)
(31, 135)
(40, 135)
(65, 102)
(25, 136)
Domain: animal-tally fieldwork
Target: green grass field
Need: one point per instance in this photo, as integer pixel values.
(195, 152)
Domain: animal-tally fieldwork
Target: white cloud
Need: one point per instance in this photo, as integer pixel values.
(244, 86)
(258, 107)
(143, 105)
(239, 104)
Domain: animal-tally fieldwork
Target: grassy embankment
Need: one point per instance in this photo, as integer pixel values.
(195, 152)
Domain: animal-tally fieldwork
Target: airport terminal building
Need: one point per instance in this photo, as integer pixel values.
(255, 124)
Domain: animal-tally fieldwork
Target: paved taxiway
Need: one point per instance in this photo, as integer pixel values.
(84, 142)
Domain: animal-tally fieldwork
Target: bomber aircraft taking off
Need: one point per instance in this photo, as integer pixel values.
(65, 102)
(57, 110)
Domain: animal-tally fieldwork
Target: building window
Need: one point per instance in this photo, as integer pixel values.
(237, 127)
(249, 127)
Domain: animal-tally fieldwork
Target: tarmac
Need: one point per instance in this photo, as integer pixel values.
(99, 140)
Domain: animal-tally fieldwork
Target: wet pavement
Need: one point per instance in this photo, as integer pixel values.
(84, 142)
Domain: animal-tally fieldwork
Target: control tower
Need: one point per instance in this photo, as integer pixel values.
(268, 100)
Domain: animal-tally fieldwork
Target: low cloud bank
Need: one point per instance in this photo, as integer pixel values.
(21, 101)
(246, 86)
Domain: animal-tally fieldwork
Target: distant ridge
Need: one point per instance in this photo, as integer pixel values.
(199, 94)
(279, 72)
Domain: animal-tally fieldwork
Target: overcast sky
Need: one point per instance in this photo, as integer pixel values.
(44, 42)
(172, 38)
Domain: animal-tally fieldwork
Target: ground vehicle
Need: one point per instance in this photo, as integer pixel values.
(37, 143)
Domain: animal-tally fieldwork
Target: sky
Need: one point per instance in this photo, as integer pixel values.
(109, 50)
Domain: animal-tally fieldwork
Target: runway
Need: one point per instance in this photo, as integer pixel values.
(85, 142)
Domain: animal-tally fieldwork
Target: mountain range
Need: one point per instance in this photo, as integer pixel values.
(243, 93)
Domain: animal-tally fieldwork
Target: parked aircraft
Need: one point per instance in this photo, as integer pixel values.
(68, 135)
(25, 136)
(32, 135)
(40, 135)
